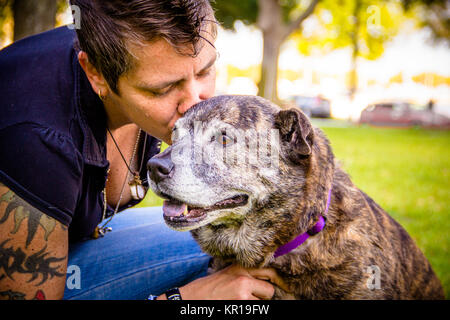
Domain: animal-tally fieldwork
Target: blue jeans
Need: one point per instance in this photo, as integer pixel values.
(140, 256)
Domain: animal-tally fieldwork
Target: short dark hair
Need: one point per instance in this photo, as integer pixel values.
(108, 27)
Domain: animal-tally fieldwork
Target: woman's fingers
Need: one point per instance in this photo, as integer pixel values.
(271, 275)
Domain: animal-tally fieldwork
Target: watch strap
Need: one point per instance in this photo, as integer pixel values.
(173, 294)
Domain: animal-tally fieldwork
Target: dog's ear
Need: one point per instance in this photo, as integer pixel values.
(295, 129)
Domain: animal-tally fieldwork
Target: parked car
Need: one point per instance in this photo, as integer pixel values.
(313, 106)
(402, 114)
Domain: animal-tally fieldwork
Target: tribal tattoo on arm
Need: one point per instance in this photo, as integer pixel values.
(15, 295)
(22, 210)
(37, 264)
(33, 251)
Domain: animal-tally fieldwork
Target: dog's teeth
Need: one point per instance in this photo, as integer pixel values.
(185, 213)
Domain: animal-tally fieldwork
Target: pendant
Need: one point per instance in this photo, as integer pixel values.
(137, 189)
(99, 232)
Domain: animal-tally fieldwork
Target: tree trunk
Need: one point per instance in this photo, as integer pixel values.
(270, 21)
(269, 69)
(33, 16)
(355, 50)
(275, 32)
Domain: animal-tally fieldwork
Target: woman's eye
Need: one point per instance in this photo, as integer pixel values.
(158, 94)
(162, 92)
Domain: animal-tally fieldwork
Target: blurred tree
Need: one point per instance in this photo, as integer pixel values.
(277, 19)
(5, 18)
(29, 16)
(431, 79)
(434, 14)
(363, 25)
(253, 72)
(398, 78)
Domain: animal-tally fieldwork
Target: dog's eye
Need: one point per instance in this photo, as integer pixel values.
(224, 140)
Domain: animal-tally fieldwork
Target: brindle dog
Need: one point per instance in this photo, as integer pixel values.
(247, 177)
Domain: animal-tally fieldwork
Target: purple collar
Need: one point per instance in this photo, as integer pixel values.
(291, 245)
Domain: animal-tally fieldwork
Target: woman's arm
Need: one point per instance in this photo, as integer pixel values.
(33, 251)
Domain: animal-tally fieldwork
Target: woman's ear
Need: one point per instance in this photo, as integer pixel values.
(98, 82)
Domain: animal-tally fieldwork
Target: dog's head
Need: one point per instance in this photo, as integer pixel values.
(231, 156)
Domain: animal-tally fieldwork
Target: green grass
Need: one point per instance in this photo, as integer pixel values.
(407, 172)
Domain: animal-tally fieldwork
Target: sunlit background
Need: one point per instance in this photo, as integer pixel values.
(411, 69)
(409, 66)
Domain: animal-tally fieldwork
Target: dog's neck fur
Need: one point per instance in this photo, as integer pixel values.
(318, 181)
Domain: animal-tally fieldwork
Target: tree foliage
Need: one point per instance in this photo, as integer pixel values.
(340, 23)
(433, 14)
(228, 11)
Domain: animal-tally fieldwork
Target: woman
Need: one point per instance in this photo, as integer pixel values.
(81, 115)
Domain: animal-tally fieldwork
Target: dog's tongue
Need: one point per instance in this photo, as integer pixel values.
(173, 209)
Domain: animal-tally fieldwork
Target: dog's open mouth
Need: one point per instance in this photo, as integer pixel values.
(179, 214)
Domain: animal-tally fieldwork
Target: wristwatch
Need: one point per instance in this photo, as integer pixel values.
(171, 294)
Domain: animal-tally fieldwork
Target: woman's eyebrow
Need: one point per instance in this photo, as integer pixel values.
(209, 64)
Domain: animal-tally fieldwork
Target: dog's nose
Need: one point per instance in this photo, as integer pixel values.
(160, 166)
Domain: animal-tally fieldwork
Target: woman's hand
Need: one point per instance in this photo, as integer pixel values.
(233, 283)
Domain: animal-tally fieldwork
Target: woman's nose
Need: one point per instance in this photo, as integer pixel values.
(196, 92)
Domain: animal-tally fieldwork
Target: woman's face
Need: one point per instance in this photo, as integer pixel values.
(162, 86)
